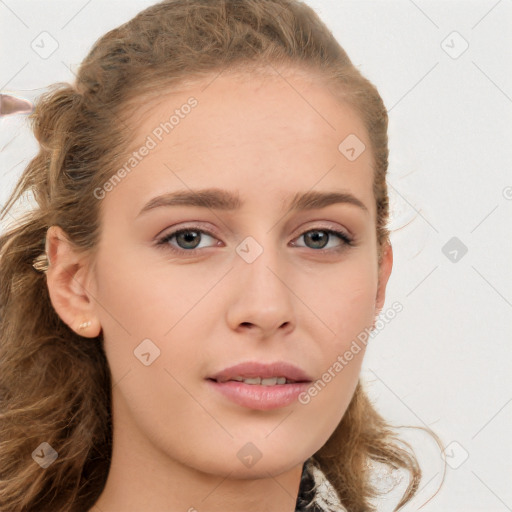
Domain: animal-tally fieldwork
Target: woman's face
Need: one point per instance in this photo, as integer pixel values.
(248, 280)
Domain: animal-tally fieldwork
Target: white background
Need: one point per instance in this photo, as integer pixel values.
(445, 360)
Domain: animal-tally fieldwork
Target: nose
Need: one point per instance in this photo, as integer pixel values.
(262, 300)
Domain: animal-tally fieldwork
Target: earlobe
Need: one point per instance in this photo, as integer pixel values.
(66, 280)
(384, 273)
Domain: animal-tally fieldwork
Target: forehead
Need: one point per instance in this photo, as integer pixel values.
(273, 131)
(257, 102)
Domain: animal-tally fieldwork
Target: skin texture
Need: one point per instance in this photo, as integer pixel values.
(175, 440)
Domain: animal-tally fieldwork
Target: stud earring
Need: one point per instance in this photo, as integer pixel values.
(84, 325)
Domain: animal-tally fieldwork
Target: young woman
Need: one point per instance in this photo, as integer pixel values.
(182, 314)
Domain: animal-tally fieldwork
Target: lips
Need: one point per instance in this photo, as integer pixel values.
(259, 386)
(254, 369)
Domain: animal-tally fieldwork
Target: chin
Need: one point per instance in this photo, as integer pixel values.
(249, 462)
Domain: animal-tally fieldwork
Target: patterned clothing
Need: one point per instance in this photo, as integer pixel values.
(316, 494)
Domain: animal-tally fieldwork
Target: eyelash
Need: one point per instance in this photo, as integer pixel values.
(163, 242)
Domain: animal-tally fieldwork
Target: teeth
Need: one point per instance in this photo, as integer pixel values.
(271, 381)
(255, 380)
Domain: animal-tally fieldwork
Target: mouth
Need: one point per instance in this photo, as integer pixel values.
(261, 386)
(269, 381)
(264, 374)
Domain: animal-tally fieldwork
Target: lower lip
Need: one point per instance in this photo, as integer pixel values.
(256, 396)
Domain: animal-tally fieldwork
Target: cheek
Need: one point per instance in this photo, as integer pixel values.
(354, 308)
(347, 307)
(133, 297)
(139, 302)
(345, 299)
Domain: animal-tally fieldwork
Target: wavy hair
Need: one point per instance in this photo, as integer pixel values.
(54, 388)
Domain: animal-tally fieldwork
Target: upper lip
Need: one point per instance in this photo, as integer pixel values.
(254, 369)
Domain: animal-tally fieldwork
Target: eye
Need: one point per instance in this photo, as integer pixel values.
(187, 239)
(319, 238)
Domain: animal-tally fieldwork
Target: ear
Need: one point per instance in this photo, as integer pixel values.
(385, 268)
(66, 278)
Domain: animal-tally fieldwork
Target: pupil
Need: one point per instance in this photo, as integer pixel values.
(318, 236)
(189, 236)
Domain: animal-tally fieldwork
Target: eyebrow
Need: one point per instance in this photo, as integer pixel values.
(218, 199)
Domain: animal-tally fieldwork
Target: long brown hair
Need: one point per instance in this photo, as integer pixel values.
(55, 387)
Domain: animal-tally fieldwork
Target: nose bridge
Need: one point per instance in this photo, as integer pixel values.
(261, 259)
(263, 297)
